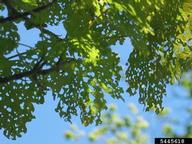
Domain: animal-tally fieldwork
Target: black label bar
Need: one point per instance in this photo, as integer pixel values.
(173, 140)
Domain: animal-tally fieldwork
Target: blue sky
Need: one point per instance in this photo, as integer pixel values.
(48, 127)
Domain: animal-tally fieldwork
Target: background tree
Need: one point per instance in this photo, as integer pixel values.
(130, 128)
(115, 128)
(79, 66)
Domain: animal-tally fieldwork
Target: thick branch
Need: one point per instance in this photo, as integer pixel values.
(24, 14)
(37, 70)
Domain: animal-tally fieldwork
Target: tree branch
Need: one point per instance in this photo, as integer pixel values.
(38, 70)
(24, 14)
(27, 20)
(38, 67)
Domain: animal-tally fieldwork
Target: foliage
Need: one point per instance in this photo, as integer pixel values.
(186, 81)
(79, 67)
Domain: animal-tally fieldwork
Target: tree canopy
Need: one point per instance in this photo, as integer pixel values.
(79, 67)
